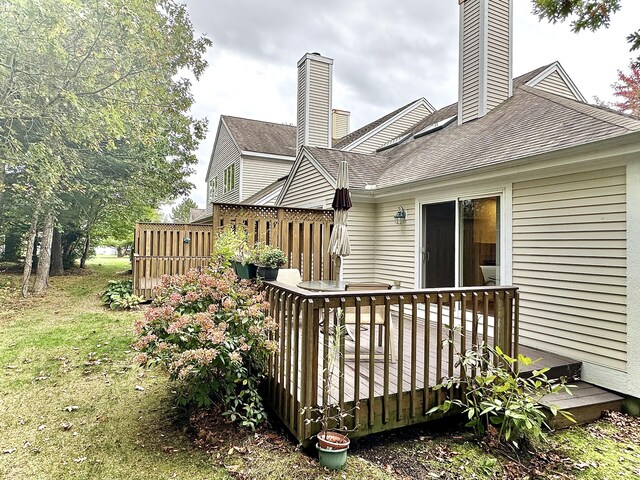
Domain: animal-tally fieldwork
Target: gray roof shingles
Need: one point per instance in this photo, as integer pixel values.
(530, 123)
(262, 137)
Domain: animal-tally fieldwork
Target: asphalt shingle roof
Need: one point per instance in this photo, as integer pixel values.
(262, 137)
(531, 122)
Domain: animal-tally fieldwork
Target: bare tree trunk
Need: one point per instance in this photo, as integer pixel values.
(57, 266)
(28, 256)
(44, 262)
(85, 251)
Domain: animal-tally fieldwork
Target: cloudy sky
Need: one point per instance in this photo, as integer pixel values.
(386, 53)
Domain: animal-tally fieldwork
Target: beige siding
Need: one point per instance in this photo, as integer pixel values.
(498, 53)
(553, 83)
(470, 54)
(225, 153)
(259, 173)
(392, 131)
(395, 244)
(340, 124)
(360, 265)
(302, 98)
(319, 104)
(569, 260)
(308, 188)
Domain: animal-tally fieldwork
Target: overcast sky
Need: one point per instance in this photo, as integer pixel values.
(386, 53)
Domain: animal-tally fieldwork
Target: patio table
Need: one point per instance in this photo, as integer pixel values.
(323, 285)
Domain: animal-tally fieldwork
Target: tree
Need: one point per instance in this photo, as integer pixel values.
(93, 111)
(628, 89)
(180, 213)
(586, 15)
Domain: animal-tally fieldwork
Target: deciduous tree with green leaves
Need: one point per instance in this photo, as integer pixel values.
(584, 15)
(94, 110)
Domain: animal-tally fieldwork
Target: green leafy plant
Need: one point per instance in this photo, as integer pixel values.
(119, 295)
(232, 244)
(495, 393)
(212, 333)
(268, 256)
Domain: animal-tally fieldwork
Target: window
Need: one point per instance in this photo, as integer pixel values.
(213, 189)
(230, 178)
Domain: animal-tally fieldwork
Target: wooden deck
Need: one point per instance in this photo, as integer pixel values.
(388, 394)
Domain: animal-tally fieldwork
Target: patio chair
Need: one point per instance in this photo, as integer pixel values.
(350, 315)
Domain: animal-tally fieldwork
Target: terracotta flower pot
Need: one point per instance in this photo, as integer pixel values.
(333, 441)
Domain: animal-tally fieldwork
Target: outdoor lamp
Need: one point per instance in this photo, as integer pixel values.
(400, 216)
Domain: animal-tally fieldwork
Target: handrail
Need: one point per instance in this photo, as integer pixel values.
(424, 326)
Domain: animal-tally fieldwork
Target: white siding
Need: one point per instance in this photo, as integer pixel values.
(319, 104)
(360, 265)
(395, 243)
(553, 83)
(392, 131)
(302, 99)
(569, 260)
(498, 53)
(259, 173)
(225, 153)
(308, 188)
(470, 56)
(340, 124)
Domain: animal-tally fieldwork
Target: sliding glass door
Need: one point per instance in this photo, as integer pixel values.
(467, 230)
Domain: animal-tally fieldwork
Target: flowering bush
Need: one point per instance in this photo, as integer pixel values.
(210, 331)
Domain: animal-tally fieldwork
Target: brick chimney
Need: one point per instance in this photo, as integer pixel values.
(340, 123)
(485, 57)
(314, 101)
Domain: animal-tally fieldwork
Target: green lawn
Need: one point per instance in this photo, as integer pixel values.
(66, 350)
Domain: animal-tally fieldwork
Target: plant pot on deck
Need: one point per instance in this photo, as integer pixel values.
(247, 272)
(268, 273)
(332, 449)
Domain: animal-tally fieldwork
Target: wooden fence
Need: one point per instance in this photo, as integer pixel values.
(167, 249)
(302, 233)
(430, 326)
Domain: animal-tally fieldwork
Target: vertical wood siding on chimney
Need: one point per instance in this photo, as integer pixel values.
(302, 98)
(498, 53)
(319, 104)
(470, 54)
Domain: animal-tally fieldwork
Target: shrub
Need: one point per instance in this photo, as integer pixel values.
(211, 333)
(495, 394)
(119, 295)
(269, 256)
(232, 244)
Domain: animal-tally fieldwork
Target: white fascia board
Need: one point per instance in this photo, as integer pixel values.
(213, 151)
(266, 199)
(418, 103)
(267, 156)
(556, 67)
(617, 150)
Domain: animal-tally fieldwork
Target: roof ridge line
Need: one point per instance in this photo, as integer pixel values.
(552, 98)
(256, 120)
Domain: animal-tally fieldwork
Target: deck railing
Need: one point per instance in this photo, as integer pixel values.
(430, 326)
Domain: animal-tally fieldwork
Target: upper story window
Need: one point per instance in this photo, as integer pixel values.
(213, 189)
(230, 178)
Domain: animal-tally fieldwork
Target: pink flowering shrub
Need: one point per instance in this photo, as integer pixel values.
(211, 332)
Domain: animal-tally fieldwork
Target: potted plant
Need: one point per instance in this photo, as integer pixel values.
(268, 259)
(333, 444)
(232, 249)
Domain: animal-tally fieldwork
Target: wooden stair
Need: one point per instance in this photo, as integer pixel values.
(586, 402)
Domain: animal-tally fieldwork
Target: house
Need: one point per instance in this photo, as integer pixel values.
(250, 158)
(521, 182)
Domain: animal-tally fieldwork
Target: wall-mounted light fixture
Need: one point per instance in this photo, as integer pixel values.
(400, 216)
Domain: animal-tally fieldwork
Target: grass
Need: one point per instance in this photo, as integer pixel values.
(66, 350)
